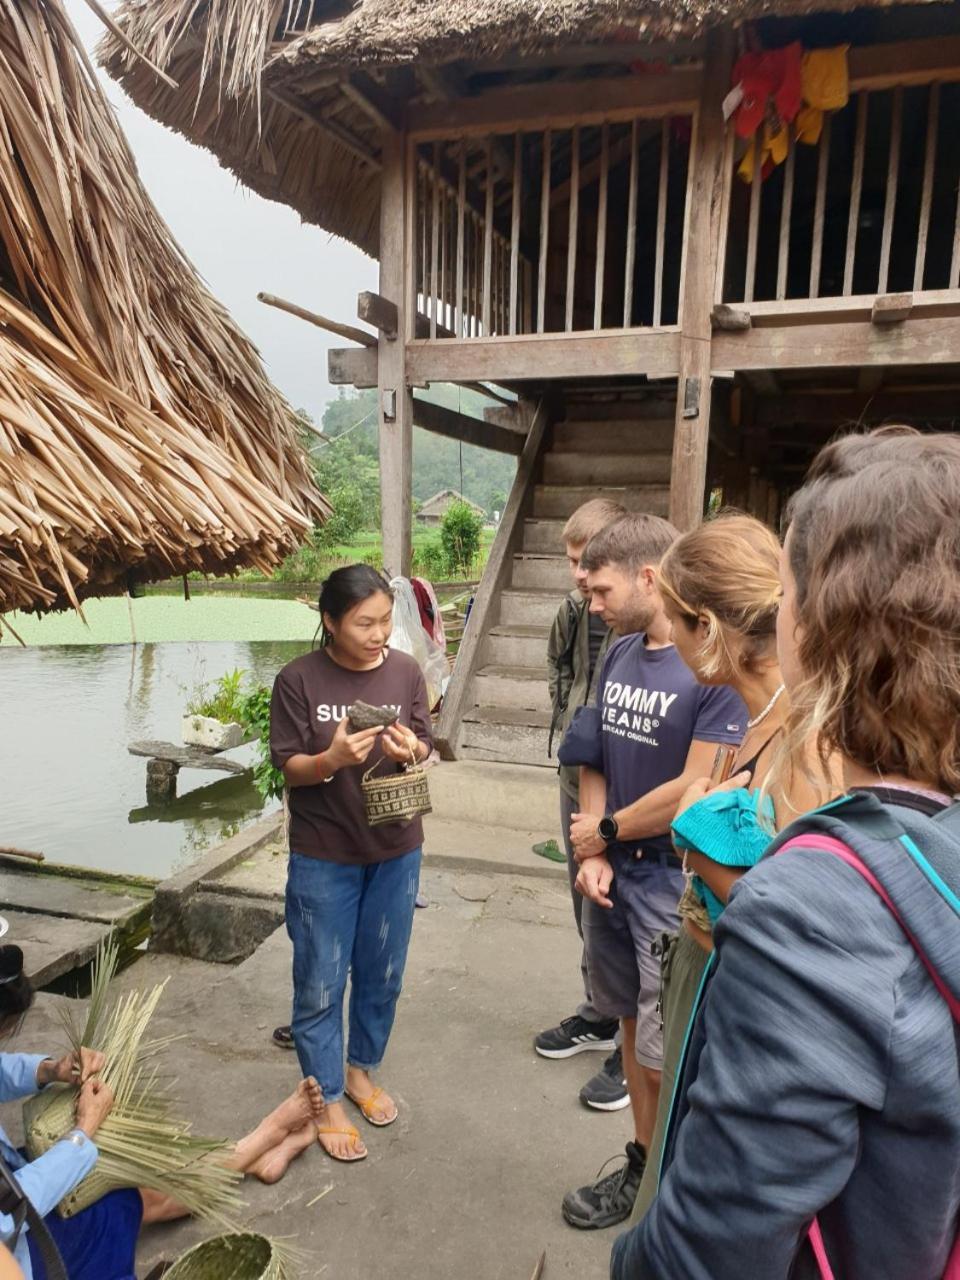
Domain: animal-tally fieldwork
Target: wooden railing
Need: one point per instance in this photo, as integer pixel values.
(872, 209)
(552, 230)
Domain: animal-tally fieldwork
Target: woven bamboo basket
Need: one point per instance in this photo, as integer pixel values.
(396, 797)
(240, 1256)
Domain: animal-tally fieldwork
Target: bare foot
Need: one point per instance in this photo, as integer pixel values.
(378, 1107)
(305, 1103)
(272, 1166)
(337, 1135)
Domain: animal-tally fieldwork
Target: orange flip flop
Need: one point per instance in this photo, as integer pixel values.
(347, 1133)
(366, 1106)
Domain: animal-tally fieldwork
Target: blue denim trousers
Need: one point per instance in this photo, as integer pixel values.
(347, 920)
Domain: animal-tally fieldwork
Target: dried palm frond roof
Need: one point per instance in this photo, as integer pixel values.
(270, 86)
(139, 435)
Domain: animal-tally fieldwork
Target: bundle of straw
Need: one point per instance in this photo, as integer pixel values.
(239, 1256)
(141, 1144)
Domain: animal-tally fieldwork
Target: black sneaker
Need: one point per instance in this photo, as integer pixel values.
(283, 1036)
(607, 1091)
(610, 1199)
(575, 1035)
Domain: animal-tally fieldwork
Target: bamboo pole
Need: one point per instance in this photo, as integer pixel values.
(631, 247)
(573, 226)
(601, 249)
(660, 242)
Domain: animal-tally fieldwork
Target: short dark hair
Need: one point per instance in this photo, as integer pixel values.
(629, 543)
(347, 587)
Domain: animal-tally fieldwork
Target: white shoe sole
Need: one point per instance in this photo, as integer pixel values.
(582, 1046)
(608, 1106)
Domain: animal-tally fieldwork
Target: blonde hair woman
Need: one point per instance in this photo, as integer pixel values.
(818, 1127)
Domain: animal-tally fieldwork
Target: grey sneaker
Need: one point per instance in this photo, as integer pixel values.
(607, 1090)
(610, 1199)
(575, 1035)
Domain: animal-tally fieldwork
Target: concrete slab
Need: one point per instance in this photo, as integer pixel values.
(52, 945)
(84, 899)
(468, 1182)
(506, 795)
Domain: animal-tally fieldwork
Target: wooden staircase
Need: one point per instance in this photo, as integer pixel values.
(499, 688)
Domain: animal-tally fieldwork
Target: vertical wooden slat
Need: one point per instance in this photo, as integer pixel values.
(819, 206)
(488, 240)
(461, 206)
(411, 239)
(661, 222)
(515, 231)
(955, 257)
(544, 230)
(786, 211)
(573, 225)
(893, 174)
(856, 190)
(422, 228)
(434, 239)
(527, 296)
(630, 263)
(726, 195)
(929, 165)
(444, 257)
(601, 225)
(753, 223)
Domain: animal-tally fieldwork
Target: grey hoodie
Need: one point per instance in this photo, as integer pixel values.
(822, 1075)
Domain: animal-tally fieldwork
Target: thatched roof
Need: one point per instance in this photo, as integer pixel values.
(139, 435)
(270, 86)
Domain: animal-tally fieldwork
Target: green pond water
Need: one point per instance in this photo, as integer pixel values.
(79, 692)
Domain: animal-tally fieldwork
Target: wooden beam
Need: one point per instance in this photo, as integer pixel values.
(585, 102)
(335, 131)
(801, 311)
(539, 357)
(395, 400)
(352, 367)
(828, 411)
(705, 199)
(930, 340)
(891, 308)
(379, 312)
(348, 331)
(463, 426)
(764, 382)
(904, 62)
(382, 108)
(592, 54)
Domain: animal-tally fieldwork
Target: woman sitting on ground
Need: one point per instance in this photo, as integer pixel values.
(817, 1127)
(99, 1242)
(351, 887)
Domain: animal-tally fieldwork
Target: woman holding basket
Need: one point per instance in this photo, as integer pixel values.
(351, 886)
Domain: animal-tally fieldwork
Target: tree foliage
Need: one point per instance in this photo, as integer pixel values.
(460, 532)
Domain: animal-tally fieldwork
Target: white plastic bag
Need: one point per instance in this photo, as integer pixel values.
(410, 637)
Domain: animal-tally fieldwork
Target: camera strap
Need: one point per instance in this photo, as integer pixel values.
(14, 1203)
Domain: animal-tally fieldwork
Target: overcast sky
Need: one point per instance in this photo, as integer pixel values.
(241, 244)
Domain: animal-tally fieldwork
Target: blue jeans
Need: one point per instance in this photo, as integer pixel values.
(347, 920)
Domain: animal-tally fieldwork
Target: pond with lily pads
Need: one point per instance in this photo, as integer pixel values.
(80, 690)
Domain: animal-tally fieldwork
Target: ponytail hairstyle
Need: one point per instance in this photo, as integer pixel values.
(344, 589)
(16, 989)
(874, 546)
(727, 572)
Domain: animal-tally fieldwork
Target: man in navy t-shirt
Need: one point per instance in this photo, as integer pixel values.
(659, 730)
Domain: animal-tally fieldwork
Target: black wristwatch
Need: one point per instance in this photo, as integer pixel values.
(608, 829)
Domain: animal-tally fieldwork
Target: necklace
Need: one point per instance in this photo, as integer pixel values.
(752, 724)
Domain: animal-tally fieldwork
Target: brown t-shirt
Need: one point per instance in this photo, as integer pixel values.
(310, 698)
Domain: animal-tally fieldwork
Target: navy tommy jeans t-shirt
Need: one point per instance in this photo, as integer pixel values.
(651, 708)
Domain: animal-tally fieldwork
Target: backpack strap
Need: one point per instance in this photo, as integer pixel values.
(828, 844)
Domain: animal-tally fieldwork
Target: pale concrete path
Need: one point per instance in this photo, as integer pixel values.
(467, 1184)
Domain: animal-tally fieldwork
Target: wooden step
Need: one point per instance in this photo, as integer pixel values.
(532, 572)
(559, 502)
(617, 436)
(518, 688)
(502, 733)
(592, 469)
(530, 608)
(543, 537)
(517, 647)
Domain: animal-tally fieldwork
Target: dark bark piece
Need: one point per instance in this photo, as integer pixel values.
(363, 716)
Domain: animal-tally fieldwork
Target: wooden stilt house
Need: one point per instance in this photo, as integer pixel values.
(563, 204)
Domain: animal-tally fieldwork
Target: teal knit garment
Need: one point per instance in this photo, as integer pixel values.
(725, 827)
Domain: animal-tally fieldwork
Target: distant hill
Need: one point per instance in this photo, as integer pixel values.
(351, 420)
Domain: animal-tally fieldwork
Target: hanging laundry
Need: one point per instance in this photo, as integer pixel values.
(770, 76)
(825, 83)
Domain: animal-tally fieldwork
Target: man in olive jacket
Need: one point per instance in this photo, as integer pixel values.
(575, 653)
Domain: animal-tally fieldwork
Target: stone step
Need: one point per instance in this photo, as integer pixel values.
(518, 688)
(481, 848)
(544, 573)
(485, 793)
(517, 647)
(625, 435)
(543, 537)
(598, 468)
(501, 733)
(530, 608)
(559, 502)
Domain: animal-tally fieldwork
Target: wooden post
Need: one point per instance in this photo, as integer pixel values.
(395, 408)
(705, 202)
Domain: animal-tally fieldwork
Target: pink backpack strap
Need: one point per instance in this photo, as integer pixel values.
(827, 844)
